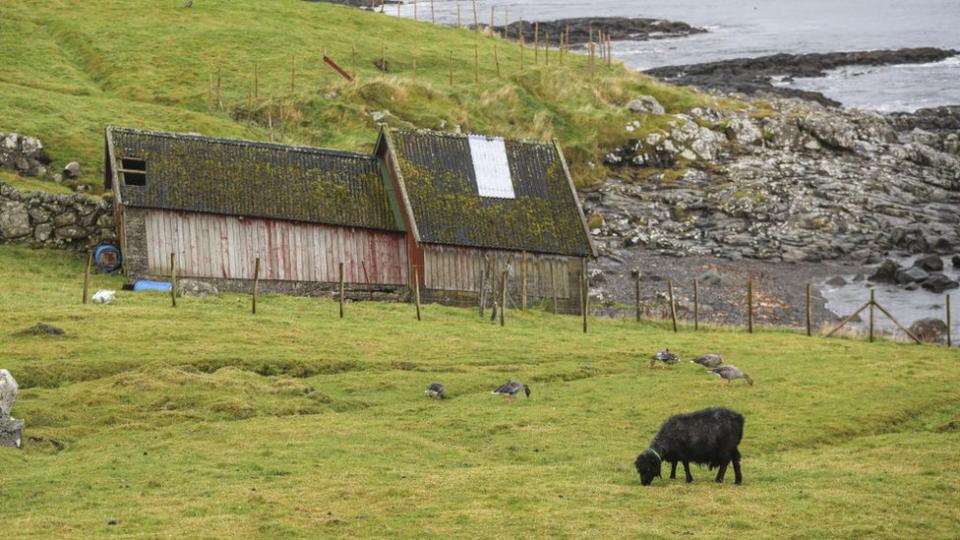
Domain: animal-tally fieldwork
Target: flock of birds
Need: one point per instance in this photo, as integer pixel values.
(712, 362)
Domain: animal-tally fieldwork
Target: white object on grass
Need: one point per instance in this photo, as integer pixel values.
(104, 296)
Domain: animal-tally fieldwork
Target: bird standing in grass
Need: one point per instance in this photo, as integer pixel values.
(666, 356)
(731, 373)
(511, 389)
(436, 390)
(708, 360)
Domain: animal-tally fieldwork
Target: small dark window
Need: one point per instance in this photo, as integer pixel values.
(134, 171)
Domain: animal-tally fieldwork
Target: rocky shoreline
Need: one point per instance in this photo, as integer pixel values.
(786, 188)
(580, 30)
(753, 75)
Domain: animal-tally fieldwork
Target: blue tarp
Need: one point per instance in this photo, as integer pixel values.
(144, 285)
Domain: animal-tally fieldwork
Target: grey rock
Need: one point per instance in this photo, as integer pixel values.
(11, 432)
(710, 278)
(70, 232)
(912, 274)
(646, 104)
(64, 219)
(14, 220)
(938, 282)
(43, 232)
(930, 263)
(72, 170)
(193, 287)
(836, 281)
(886, 272)
(930, 330)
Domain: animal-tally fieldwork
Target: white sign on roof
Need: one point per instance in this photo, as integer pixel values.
(491, 167)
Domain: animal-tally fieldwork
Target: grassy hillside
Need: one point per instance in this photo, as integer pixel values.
(205, 421)
(69, 67)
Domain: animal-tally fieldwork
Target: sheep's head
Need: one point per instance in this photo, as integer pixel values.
(648, 466)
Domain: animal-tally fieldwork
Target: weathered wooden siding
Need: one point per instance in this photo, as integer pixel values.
(225, 247)
(448, 268)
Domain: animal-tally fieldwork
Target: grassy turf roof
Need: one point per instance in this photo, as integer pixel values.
(233, 177)
(439, 178)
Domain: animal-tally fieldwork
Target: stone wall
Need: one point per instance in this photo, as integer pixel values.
(39, 219)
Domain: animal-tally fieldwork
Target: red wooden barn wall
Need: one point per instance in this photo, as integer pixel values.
(218, 246)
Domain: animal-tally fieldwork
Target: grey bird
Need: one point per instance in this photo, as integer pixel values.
(666, 356)
(708, 360)
(436, 390)
(511, 389)
(731, 373)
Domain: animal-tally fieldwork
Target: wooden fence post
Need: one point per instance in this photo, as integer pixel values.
(949, 324)
(873, 303)
(809, 314)
(503, 298)
(553, 286)
(416, 290)
(433, 15)
(696, 304)
(673, 305)
(341, 290)
(583, 298)
(483, 287)
(173, 279)
(523, 281)
(459, 20)
(476, 20)
(750, 306)
(496, 59)
(476, 63)
(256, 283)
(86, 276)
(637, 294)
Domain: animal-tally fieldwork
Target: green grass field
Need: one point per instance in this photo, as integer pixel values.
(70, 67)
(207, 421)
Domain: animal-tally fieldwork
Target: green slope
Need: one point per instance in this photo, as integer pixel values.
(69, 67)
(206, 421)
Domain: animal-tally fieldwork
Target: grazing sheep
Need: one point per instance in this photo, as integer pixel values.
(436, 390)
(666, 356)
(709, 436)
(708, 360)
(731, 373)
(511, 389)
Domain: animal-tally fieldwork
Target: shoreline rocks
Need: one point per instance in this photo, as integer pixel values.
(754, 75)
(789, 180)
(617, 28)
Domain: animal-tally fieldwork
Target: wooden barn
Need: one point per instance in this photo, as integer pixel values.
(218, 205)
(476, 206)
(456, 211)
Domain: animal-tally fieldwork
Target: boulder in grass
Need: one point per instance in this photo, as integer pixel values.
(930, 330)
(938, 282)
(42, 329)
(837, 281)
(72, 170)
(11, 432)
(930, 263)
(646, 104)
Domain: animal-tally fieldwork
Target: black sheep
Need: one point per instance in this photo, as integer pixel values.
(705, 437)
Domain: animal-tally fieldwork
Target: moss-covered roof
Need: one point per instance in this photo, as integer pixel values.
(438, 175)
(202, 174)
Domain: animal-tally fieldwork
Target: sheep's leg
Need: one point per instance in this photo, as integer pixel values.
(738, 477)
(722, 471)
(673, 470)
(686, 469)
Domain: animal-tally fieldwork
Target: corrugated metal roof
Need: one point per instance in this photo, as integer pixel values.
(202, 174)
(439, 177)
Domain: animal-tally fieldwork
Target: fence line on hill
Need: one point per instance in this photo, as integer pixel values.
(502, 300)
